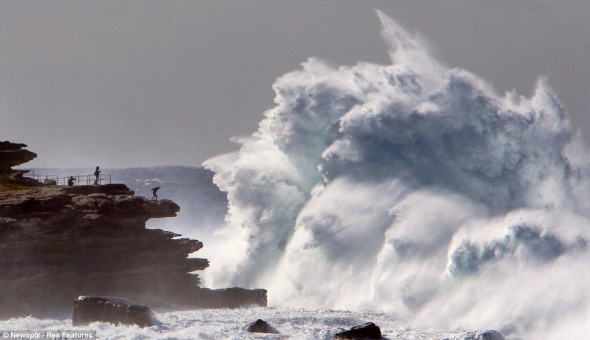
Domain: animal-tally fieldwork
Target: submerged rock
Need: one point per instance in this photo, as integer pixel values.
(484, 335)
(115, 310)
(365, 331)
(489, 335)
(261, 326)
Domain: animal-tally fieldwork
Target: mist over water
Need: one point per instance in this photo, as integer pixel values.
(412, 188)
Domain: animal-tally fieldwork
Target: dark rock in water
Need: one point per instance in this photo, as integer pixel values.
(88, 309)
(261, 326)
(229, 297)
(365, 331)
(489, 335)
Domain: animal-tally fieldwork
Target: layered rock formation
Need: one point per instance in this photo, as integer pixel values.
(13, 154)
(59, 242)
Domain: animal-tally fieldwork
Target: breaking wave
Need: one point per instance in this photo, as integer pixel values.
(412, 188)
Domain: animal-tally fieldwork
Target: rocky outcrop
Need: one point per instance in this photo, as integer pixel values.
(261, 326)
(230, 297)
(13, 154)
(89, 309)
(57, 243)
(365, 331)
(485, 335)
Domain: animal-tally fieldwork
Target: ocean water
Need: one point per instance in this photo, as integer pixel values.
(411, 195)
(291, 323)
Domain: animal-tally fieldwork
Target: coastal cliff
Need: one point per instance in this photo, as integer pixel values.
(59, 242)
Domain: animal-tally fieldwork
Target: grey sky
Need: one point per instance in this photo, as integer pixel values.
(140, 83)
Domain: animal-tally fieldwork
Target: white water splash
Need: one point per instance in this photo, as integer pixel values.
(231, 324)
(415, 189)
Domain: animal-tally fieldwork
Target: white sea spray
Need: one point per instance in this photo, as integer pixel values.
(412, 188)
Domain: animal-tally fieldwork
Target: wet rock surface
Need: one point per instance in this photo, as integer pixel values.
(115, 310)
(485, 335)
(365, 331)
(260, 326)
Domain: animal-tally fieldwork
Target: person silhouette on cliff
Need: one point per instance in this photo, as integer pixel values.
(71, 181)
(96, 174)
(154, 190)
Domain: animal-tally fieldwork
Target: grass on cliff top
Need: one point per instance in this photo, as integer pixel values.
(13, 186)
(7, 185)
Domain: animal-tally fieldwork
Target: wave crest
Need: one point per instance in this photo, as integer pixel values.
(396, 187)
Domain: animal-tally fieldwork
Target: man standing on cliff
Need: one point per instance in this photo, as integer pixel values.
(96, 174)
(154, 190)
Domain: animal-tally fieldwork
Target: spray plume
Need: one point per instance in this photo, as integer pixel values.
(411, 188)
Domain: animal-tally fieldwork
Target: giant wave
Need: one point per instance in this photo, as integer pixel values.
(411, 188)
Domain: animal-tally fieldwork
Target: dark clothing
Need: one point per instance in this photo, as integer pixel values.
(96, 174)
(154, 190)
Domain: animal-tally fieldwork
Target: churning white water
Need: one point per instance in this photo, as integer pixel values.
(414, 189)
(231, 324)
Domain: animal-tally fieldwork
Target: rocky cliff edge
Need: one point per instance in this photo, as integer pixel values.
(57, 243)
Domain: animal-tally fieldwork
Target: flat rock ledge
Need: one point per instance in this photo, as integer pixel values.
(115, 310)
(57, 243)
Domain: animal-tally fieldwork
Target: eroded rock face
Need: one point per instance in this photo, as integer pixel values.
(13, 154)
(57, 243)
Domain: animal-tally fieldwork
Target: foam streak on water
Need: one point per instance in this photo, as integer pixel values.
(412, 188)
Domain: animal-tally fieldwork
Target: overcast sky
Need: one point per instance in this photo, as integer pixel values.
(140, 83)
